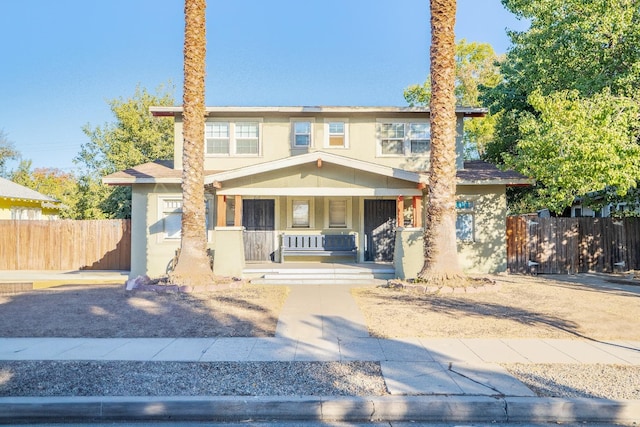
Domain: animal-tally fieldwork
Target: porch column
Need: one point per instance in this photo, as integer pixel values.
(417, 211)
(237, 215)
(221, 211)
(400, 213)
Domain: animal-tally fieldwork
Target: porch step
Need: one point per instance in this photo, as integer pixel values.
(284, 280)
(318, 274)
(331, 276)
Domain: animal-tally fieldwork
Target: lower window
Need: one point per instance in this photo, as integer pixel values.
(465, 220)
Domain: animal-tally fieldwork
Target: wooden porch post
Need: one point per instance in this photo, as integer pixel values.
(237, 217)
(417, 211)
(400, 213)
(221, 211)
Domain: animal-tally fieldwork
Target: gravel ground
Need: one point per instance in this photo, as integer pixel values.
(93, 378)
(583, 380)
(84, 378)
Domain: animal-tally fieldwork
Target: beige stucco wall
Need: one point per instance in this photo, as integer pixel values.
(276, 141)
(151, 253)
(488, 252)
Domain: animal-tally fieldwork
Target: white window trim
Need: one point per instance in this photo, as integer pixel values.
(406, 143)
(349, 224)
(310, 200)
(327, 134)
(161, 234)
(309, 120)
(24, 213)
(232, 136)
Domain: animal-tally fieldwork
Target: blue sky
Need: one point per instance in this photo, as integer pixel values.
(63, 60)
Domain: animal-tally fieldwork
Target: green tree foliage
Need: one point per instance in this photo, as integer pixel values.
(51, 182)
(576, 55)
(7, 152)
(135, 137)
(476, 66)
(575, 145)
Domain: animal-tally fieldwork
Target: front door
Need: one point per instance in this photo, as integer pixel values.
(258, 220)
(379, 229)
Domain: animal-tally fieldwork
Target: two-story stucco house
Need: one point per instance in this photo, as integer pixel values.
(276, 172)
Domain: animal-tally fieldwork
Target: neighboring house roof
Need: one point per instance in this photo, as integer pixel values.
(161, 171)
(173, 111)
(11, 190)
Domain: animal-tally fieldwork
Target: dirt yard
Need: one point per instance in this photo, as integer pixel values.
(108, 311)
(522, 307)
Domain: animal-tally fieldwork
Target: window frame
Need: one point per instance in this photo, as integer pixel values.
(164, 212)
(466, 206)
(311, 213)
(294, 134)
(26, 213)
(328, 134)
(233, 136)
(348, 213)
(405, 141)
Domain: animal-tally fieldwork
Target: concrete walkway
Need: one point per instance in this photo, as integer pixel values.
(428, 379)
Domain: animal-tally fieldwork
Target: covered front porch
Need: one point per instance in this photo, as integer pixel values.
(316, 207)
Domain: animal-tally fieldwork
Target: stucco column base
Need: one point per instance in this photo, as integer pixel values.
(228, 255)
(408, 256)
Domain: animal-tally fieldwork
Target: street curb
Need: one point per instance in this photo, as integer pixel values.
(318, 408)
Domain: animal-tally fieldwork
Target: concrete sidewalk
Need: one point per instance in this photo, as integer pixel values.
(428, 379)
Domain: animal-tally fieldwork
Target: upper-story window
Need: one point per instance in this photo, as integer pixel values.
(232, 138)
(403, 138)
(336, 135)
(301, 133)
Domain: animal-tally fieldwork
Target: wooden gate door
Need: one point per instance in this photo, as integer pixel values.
(258, 218)
(379, 229)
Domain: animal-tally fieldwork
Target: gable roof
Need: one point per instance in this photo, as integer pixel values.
(11, 190)
(314, 157)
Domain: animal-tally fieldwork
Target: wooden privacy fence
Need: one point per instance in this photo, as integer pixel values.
(572, 245)
(65, 245)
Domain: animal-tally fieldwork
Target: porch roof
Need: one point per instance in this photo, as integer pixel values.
(317, 157)
(162, 171)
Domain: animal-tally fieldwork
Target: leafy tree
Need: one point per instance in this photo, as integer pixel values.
(192, 268)
(7, 152)
(576, 55)
(440, 250)
(135, 137)
(476, 66)
(574, 145)
(51, 182)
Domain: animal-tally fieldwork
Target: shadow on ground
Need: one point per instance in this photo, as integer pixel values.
(108, 311)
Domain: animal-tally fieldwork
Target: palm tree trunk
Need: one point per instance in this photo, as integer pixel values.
(192, 269)
(440, 250)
